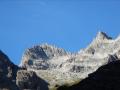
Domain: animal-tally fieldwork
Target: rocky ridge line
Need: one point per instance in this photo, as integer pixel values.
(58, 67)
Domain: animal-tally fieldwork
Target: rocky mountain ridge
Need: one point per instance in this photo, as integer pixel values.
(52, 67)
(69, 65)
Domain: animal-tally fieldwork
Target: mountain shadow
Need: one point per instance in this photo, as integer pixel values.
(106, 77)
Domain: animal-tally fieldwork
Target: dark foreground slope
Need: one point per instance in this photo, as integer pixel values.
(106, 77)
(8, 73)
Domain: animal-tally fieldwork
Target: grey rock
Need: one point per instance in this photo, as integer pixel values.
(28, 80)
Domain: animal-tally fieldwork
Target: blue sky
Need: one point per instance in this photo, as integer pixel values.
(69, 24)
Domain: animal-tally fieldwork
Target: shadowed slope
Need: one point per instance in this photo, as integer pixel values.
(7, 73)
(106, 77)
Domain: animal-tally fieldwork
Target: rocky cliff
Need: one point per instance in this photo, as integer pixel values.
(46, 67)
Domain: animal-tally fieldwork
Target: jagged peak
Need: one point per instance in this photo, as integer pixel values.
(102, 36)
(44, 51)
(45, 47)
(49, 46)
(99, 41)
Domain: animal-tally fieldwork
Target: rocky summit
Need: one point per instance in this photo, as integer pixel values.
(47, 67)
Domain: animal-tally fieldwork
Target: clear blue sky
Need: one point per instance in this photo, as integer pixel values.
(70, 24)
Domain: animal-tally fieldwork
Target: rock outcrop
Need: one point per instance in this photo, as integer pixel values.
(29, 80)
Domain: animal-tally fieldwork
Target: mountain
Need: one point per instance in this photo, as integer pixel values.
(59, 67)
(47, 67)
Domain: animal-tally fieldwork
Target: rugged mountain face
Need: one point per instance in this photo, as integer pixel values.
(37, 57)
(46, 67)
(58, 67)
(106, 77)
